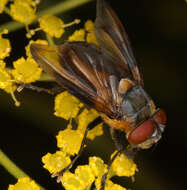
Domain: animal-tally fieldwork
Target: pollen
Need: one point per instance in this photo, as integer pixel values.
(55, 162)
(26, 71)
(5, 47)
(69, 141)
(24, 183)
(66, 106)
(22, 12)
(123, 166)
(52, 25)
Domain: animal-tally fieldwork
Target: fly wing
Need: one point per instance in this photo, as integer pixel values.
(85, 70)
(112, 36)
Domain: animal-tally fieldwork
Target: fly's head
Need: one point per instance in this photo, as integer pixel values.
(149, 132)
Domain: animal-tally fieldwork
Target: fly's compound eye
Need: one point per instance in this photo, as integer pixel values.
(142, 132)
(160, 117)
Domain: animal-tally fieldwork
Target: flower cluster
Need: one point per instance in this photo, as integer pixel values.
(69, 143)
(24, 183)
(25, 70)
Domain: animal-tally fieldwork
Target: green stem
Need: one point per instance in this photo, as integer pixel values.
(56, 9)
(11, 167)
(50, 39)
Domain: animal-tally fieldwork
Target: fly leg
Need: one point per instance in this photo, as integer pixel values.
(90, 126)
(52, 91)
(121, 144)
(104, 177)
(118, 138)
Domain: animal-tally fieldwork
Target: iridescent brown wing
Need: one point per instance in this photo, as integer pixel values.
(86, 71)
(112, 36)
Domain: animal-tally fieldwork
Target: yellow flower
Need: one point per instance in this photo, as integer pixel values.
(89, 26)
(52, 25)
(66, 105)
(86, 117)
(96, 131)
(69, 140)
(5, 47)
(71, 182)
(24, 184)
(5, 78)
(85, 175)
(78, 35)
(2, 5)
(29, 2)
(123, 166)
(26, 71)
(98, 166)
(90, 38)
(111, 186)
(27, 48)
(22, 12)
(55, 162)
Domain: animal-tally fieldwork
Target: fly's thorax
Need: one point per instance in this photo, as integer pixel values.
(136, 105)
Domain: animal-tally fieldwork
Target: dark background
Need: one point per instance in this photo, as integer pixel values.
(158, 32)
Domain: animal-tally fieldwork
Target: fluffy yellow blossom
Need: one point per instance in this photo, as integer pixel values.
(69, 140)
(123, 166)
(22, 12)
(66, 105)
(96, 131)
(29, 2)
(71, 182)
(85, 175)
(27, 48)
(55, 162)
(2, 5)
(85, 34)
(5, 78)
(26, 71)
(90, 38)
(78, 35)
(98, 166)
(111, 186)
(24, 184)
(89, 26)
(52, 25)
(86, 117)
(5, 47)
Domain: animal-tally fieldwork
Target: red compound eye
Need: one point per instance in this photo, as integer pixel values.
(142, 133)
(160, 117)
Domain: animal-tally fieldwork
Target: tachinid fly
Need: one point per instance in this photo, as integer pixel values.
(107, 78)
